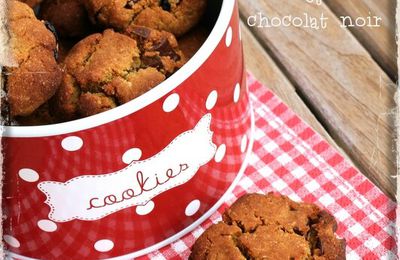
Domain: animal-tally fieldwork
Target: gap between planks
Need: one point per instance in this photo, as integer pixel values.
(379, 41)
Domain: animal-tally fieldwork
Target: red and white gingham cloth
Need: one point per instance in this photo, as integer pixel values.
(290, 158)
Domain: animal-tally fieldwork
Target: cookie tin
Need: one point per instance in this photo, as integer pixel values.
(125, 182)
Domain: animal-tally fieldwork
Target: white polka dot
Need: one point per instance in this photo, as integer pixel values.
(104, 245)
(72, 143)
(219, 155)
(47, 225)
(145, 209)
(192, 208)
(28, 175)
(236, 93)
(131, 155)
(212, 100)
(11, 241)
(228, 39)
(243, 144)
(171, 103)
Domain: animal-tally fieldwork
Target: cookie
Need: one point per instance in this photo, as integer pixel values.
(31, 3)
(175, 16)
(271, 227)
(108, 69)
(191, 42)
(69, 17)
(37, 76)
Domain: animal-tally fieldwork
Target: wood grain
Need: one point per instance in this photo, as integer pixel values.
(381, 41)
(346, 89)
(267, 72)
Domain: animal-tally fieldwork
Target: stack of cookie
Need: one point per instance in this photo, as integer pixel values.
(77, 58)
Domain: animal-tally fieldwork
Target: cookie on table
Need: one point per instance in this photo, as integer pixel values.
(69, 17)
(271, 227)
(191, 42)
(105, 70)
(175, 16)
(37, 76)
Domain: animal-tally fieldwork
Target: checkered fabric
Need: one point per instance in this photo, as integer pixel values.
(290, 158)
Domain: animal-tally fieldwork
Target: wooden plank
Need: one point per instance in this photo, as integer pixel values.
(379, 41)
(266, 71)
(348, 91)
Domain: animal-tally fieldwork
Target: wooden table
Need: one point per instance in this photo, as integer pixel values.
(340, 80)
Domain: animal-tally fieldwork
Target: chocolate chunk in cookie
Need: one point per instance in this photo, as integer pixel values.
(175, 16)
(106, 70)
(69, 17)
(159, 49)
(37, 76)
(271, 227)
